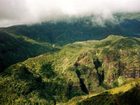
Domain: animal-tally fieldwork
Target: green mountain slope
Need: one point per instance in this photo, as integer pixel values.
(80, 68)
(21, 42)
(81, 29)
(15, 48)
(127, 94)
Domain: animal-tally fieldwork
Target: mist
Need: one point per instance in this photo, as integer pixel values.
(14, 12)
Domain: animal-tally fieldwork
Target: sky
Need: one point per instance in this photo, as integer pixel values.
(14, 12)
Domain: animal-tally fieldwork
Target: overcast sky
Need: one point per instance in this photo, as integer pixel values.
(14, 12)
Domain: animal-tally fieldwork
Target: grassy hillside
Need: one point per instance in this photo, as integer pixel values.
(127, 94)
(15, 48)
(80, 68)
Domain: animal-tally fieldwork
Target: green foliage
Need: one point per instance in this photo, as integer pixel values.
(64, 32)
(125, 95)
(21, 42)
(121, 80)
(52, 78)
(15, 48)
(47, 70)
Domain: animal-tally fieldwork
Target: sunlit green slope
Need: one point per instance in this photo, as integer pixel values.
(127, 94)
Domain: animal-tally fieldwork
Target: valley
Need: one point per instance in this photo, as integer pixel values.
(69, 52)
(24, 41)
(81, 72)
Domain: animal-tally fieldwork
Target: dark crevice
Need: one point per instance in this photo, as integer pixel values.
(100, 73)
(82, 84)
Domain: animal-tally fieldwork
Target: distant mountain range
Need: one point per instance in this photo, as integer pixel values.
(80, 29)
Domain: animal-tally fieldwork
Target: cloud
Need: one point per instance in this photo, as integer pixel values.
(14, 12)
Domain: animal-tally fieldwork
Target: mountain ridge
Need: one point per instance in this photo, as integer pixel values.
(77, 69)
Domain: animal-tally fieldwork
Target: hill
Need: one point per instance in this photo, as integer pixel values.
(127, 94)
(21, 42)
(15, 48)
(80, 29)
(80, 68)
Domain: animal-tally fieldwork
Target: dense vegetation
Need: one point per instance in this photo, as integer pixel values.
(18, 43)
(80, 68)
(15, 48)
(80, 29)
(127, 94)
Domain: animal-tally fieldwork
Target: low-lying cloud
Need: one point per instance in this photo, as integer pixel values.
(14, 12)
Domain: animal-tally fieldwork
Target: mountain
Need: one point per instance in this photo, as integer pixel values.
(64, 33)
(80, 29)
(15, 48)
(80, 68)
(21, 42)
